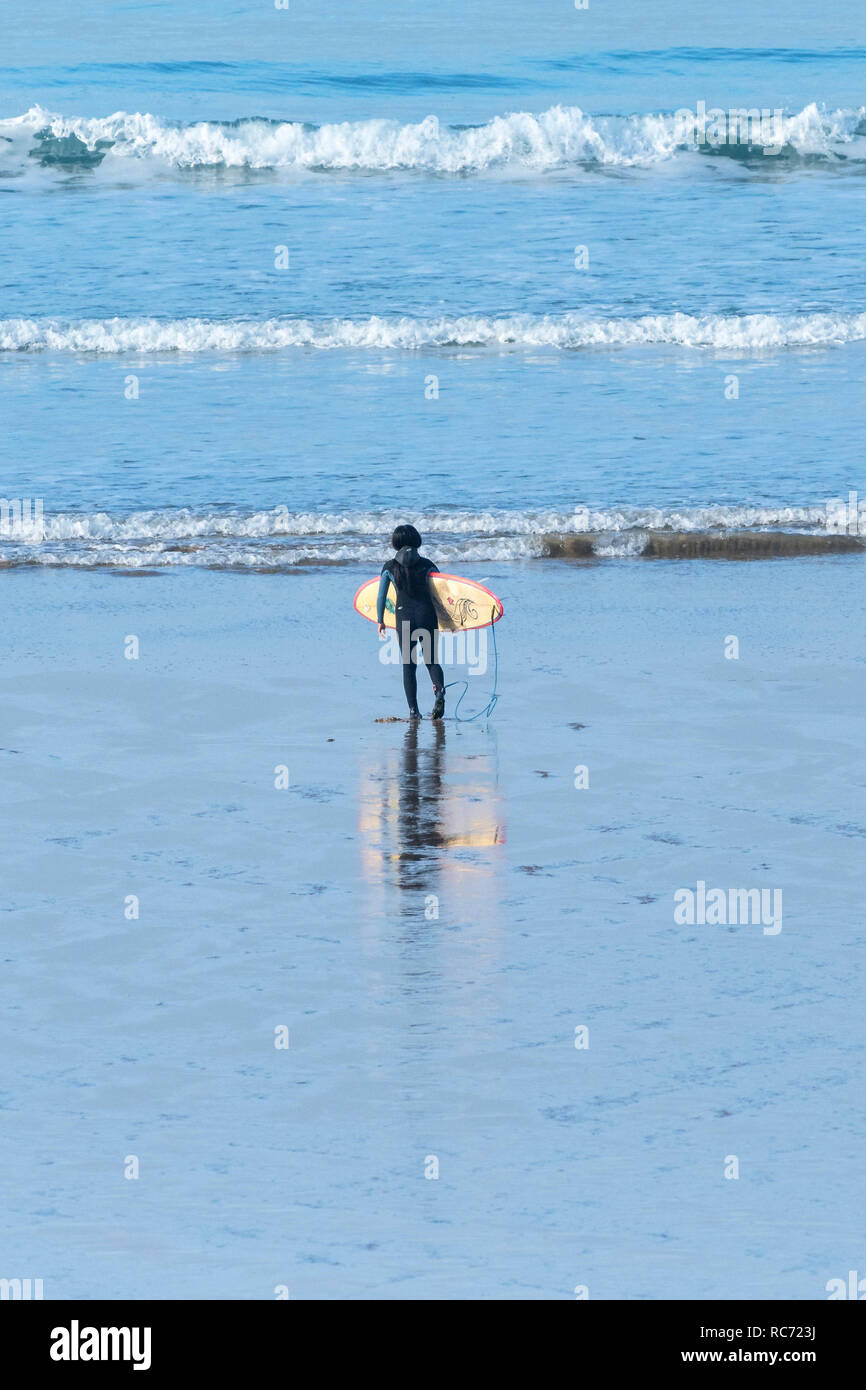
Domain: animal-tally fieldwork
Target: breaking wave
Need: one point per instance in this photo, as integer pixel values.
(284, 541)
(560, 332)
(560, 138)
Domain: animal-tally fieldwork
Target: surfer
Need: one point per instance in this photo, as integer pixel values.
(415, 614)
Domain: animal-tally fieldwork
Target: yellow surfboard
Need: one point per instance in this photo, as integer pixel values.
(459, 603)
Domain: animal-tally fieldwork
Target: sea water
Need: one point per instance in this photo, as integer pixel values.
(271, 280)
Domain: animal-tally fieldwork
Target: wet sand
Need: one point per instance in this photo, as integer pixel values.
(431, 912)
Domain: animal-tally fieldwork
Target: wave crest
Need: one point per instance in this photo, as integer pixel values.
(560, 332)
(560, 138)
(283, 541)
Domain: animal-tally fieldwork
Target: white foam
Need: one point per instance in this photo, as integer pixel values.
(279, 538)
(561, 137)
(464, 527)
(727, 332)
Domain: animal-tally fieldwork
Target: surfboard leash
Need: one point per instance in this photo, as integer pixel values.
(492, 702)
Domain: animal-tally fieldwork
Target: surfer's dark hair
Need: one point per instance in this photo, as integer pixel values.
(405, 535)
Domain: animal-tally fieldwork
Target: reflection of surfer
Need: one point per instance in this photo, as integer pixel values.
(419, 828)
(415, 615)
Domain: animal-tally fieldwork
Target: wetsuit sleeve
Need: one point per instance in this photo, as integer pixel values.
(384, 583)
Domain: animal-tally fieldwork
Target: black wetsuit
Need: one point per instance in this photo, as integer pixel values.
(416, 618)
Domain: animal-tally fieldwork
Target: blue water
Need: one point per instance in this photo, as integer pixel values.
(430, 230)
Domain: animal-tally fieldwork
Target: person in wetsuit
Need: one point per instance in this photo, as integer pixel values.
(416, 617)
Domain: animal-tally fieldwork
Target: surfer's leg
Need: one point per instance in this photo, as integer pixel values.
(437, 676)
(410, 673)
(431, 650)
(410, 685)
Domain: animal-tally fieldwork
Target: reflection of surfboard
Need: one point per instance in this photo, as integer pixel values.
(467, 818)
(459, 603)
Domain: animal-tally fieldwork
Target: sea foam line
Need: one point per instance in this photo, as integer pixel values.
(330, 528)
(561, 137)
(558, 332)
(270, 557)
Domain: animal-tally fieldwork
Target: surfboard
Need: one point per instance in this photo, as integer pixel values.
(459, 603)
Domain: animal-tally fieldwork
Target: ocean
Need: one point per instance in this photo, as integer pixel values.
(277, 303)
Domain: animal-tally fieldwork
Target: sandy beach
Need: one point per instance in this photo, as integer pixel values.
(414, 1035)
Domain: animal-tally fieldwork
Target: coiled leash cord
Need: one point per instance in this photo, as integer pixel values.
(491, 703)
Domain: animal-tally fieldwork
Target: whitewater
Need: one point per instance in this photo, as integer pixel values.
(280, 540)
(558, 138)
(561, 332)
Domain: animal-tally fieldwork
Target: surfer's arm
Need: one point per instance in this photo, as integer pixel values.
(383, 594)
